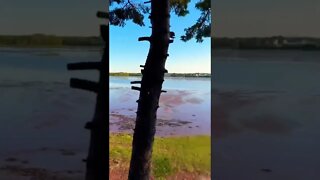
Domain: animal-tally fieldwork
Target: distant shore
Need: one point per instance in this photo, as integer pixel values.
(247, 43)
(267, 43)
(195, 75)
(49, 41)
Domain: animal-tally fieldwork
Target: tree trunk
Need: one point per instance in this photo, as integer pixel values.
(98, 157)
(151, 85)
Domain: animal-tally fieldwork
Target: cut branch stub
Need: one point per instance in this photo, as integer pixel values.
(144, 39)
(84, 66)
(84, 85)
(163, 91)
(103, 15)
(89, 125)
(172, 35)
(142, 66)
(135, 88)
(135, 82)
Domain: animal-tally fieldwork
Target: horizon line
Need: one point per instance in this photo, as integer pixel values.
(271, 36)
(212, 37)
(168, 73)
(32, 34)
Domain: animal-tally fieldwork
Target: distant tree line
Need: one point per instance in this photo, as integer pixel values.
(275, 42)
(168, 75)
(41, 40)
(124, 74)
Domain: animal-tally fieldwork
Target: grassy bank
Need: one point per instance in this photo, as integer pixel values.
(171, 155)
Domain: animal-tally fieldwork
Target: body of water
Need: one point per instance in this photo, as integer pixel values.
(184, 109)
(266, 115)
(42, 119)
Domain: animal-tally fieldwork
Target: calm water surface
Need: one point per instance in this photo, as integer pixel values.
(266, 115)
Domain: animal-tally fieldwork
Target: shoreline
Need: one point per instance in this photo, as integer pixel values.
(172, 75)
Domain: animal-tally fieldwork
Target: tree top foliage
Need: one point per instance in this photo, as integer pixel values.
(126, 10)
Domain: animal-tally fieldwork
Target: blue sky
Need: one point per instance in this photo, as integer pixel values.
(77, 18)
(126, 53)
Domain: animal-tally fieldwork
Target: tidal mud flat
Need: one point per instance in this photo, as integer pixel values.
(181, 113)
(184, 110)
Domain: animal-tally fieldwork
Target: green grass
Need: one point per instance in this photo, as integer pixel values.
(170, 154)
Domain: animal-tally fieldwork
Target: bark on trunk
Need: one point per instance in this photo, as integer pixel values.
(98, 157)
(97, 162)
(151, 85)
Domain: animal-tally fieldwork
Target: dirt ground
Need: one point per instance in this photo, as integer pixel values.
(117, 173)
(121, 173)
